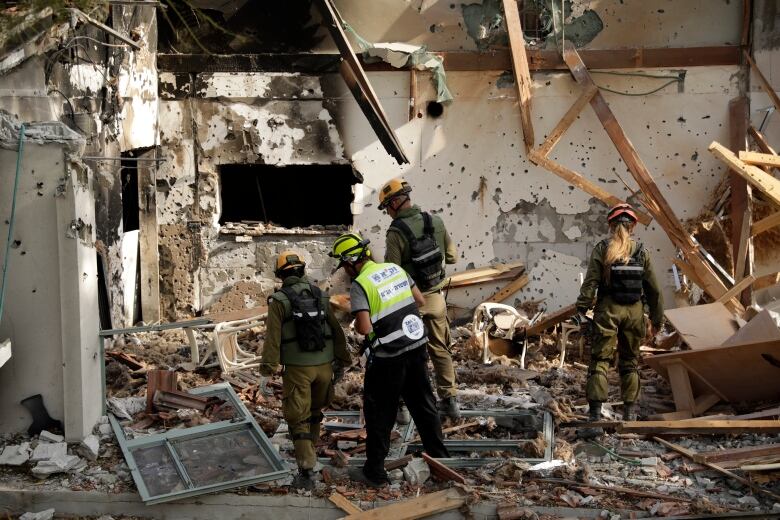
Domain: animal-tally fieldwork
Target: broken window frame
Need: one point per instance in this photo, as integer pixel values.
(478, 445)
(245, 422)
(396, 452)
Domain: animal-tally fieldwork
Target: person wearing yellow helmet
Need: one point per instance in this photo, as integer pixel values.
(419, 242)
(304, 336)
(384, 302)
(618, 285)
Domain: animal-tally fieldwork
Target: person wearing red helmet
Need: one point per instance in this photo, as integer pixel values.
(619, 284)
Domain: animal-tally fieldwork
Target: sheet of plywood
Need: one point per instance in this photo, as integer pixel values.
(747, 372)
(703, 325)
(765, 326)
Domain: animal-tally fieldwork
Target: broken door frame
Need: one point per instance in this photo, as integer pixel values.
(245, 422)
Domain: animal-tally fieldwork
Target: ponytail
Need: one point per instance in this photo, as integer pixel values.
(619, 246)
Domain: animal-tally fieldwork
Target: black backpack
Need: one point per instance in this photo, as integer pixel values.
(309, 318)
(425, 253)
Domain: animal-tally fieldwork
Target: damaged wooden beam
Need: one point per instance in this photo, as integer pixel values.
(509, 289)
(741, 207)
(441, 471)
(765, 183)
(654, 200)
(566, 121)
(357, 81)
(578, 180)
(345, 505)
(699, 427)
(419, 507)
(760, 159)
(551, 320)
(522, 75)
(464, 61)
(770, 91)
(486, 275)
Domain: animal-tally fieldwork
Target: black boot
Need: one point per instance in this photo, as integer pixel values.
(594, 415)
(303, 480)
(630, 412)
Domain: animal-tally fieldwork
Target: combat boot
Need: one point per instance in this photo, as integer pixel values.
(303, 480)
(594, 415)
(630, 412)
(449, 407)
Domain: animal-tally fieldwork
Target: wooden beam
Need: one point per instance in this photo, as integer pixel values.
(103, 27)
(764, 182)
(765, 224)
(655, 202)
(740, 260)
(690, 454)
(148, 242)
(520, 68)
(770, 91)
(485, 275)
(681, 386)
(741, 206)
(552, 320)
(761, 141)
(566, 121)
(509, 289)
(768, 280)
(454, 61)
(419, 507)
(740, 286)
(441, 471)
(579, 181)
(698, 427)
(345, 505)
(736, 454)
(704, 403)
(759, 159)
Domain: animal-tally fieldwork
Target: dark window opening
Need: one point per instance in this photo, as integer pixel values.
(287, 196)
(537, 20)
(129, 176)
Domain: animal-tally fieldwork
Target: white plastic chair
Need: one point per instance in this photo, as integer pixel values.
(498, 320)
(225, 342)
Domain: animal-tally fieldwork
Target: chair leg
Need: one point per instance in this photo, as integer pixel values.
(522, 356)
(194, 353)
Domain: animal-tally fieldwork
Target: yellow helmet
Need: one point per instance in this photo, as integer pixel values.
(392, 189)
(350, 247)
(288, 260)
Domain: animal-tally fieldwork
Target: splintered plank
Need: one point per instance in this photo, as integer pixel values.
(764, 182)
(509, 289)
(520, 68)
(345, 505)
(578, 180)
(653, 200)
(551, 320)
(739, 454)
(699, 427)
(566, 121)
(764, 82)
(765, 224)
(486, 275)
(757, 158)
(441, 471)
(420, 507)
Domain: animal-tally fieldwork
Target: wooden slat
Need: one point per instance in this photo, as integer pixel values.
(761, 141)
(736, 454)
(738, 288)
(704, 403)
(345, 505)
(741, 205)
(757, 158)
(148, 241)
(486, 274)
(579, 181)
(741, 258)
(441, 471)
(699, 427)
(768, 280)
(566, 121)
(509, 289)
(764, 82)
(419, 507)
(520, 67)
(551, 320)
(681, 386)
(691, 454)
(655, 202)
(764, 182)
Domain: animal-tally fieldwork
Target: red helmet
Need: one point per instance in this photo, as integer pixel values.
(621, 210)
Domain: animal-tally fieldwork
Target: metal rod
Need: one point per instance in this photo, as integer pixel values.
(137, 159)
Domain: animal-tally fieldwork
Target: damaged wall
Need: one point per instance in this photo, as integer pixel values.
(272, 119)
(51, 307)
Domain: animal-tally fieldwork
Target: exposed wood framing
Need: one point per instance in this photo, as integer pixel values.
(148, 240)
(653, 199)
(500, 60)
(740, 286)
(357, 81)
(764, 82)
(768, 280)
(764, 182)
(758, 159)
(509, 289)
(765, 224)
(761, 141)
(566, 121)
(741, 205)
(520, 68)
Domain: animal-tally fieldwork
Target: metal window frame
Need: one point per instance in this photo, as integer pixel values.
(396, 452)
(245, 422)
(496, 444)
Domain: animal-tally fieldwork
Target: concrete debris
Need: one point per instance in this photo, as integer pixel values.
(48, 450)
(89, 448)
(47, 514)
(749, 501)
(61, 463)
(416, 472)
(50, 437)
(126, 407)
(15, 455)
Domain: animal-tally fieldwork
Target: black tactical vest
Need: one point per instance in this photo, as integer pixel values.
(424, 251)
(625, 280)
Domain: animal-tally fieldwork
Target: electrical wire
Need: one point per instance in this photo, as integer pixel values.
(12, 219)
(611, 453)
(640, 93)
(118, 45)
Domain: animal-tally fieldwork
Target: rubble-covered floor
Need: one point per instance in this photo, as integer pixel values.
(625, 460)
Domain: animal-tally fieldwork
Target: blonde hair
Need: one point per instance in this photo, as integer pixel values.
(619, 246)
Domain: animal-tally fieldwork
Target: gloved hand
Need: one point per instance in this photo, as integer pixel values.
(580, 319)
(265, 388)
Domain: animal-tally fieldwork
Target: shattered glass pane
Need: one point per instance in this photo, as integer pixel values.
(158, 470)
(222, 458)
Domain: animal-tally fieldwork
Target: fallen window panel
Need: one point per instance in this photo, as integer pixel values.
(202, 459)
